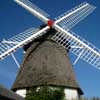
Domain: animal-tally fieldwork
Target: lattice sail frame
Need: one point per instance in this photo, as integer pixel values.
(90, 55)
(72, 17)
(33, 9)
(10, 45)
(28, 3)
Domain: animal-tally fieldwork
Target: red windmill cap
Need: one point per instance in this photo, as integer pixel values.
(50, 23)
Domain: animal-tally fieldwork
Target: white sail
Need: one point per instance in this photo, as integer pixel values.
(10, 45)
(78, 46)
(72, 17)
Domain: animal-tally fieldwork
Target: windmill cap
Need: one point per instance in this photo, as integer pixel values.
(50, 23)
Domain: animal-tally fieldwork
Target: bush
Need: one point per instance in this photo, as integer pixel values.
(45, 93)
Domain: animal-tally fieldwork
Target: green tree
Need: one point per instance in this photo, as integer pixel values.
(45, 93)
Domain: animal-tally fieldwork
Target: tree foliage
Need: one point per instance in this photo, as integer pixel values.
(45, 93)
(49, 93)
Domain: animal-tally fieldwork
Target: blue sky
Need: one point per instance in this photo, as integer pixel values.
(14, 19)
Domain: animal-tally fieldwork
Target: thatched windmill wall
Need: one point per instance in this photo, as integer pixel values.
(46, 63)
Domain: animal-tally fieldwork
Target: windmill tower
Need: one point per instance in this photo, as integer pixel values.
(46, 61)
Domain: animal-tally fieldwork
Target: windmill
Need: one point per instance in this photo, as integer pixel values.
(63, 34)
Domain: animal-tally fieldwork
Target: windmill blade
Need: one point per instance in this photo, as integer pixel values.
(33, 9)
(78, 46)
(74, 16)
(10, 45)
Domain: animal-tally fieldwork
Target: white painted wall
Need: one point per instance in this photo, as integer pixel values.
(21, 92)
(71, 94)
